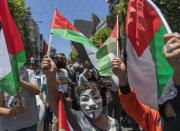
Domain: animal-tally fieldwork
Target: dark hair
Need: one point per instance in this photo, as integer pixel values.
(88, 85)
(61, 54)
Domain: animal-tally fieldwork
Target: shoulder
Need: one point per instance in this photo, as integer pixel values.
(113, 123)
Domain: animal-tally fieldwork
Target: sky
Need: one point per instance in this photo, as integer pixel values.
(42, 12)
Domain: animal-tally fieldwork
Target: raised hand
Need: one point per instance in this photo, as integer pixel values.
(119, 69)
(171, 51)
(48, 66)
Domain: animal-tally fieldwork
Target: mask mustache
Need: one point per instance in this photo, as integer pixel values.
(93, 108)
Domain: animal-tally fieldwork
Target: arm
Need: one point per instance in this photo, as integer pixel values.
(49, 69)
(148, 118)
(7, 113)
(31, 87)
(144, 116)
(46, 105)
(173, 56)
(52, 92)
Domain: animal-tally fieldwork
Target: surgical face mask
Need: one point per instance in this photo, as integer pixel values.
(91, 103)
(61, 63)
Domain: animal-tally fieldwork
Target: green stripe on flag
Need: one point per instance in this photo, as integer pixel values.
(103, 57)
(61, 130)
(163, 69)
(73, 36)
(12, 81)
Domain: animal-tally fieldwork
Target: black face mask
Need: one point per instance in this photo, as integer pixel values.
(61, 63)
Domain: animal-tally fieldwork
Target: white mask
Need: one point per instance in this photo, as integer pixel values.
(91, 103)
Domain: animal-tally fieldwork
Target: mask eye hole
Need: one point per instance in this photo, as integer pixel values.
(84, 99)
(96, 98)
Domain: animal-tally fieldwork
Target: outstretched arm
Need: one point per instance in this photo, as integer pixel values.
(49, 68)
(31, 87)
(148, 118)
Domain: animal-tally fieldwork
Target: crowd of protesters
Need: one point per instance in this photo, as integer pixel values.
(92, 102)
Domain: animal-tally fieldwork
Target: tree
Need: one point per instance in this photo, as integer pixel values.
(121, 9)
(101, 36)
(74, 55)
(170, 9)
(21, 14)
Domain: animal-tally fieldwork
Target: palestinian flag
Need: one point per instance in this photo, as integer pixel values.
(64, 29)
(45, 47)
(148, 69)
(100, 44)
(67, 121)
(62, 119)
(12, 54)
(107, 53)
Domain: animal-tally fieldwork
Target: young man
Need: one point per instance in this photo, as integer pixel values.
(63, 82)
(148, 118)
(62, 76)
(90, 117)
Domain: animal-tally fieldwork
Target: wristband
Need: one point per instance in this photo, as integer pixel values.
(125, 89)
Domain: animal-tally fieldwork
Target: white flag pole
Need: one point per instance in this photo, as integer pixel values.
(49, 46)
(168, 29)
(117, 37)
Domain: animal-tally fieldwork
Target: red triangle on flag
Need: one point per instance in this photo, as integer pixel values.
(62, 119)
(45, 46)
(142, 23)
(11, 33)
(100, 44)
(59, 22)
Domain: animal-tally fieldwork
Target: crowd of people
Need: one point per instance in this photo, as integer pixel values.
(92, 102)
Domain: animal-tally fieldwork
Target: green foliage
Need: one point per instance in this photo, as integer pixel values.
(101, 35)
(21, 14)
(171, 11)
(121, 9)
(74, 55)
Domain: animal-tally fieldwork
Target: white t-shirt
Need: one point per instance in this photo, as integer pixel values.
(30, 116)
(62, 78)
(82, 79)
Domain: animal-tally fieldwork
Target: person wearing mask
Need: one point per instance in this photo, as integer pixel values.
(63, 82)
(89, 118)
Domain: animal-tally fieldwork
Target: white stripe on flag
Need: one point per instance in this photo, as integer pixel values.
(5, 66)
(112, 50)
(142, 76)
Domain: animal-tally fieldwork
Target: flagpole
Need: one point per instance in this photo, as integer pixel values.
(49, 46)
(19, 96)
(117, 37)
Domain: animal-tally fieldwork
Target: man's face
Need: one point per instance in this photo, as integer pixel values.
(91, 103)
(60, 61)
